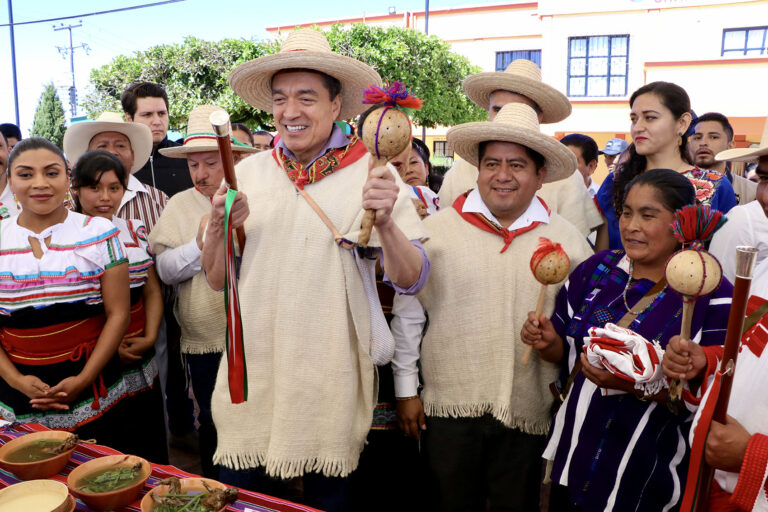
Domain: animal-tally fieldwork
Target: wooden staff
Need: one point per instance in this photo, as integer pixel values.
(550, 265)
(745, 265)
(220, 123)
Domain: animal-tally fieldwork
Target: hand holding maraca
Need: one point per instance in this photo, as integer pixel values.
(386, 132)
(692, 272)
(550, 265)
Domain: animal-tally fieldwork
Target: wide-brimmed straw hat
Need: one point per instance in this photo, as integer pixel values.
(304, 49)
(200, 136)
(522, 77)
(746, 154)
(518, 123)
(79, 135)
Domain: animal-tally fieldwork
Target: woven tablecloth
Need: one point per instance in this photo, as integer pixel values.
(84, 452)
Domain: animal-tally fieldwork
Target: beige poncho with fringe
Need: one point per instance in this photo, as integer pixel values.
(477, 300)
(306, 320)
(199, 309)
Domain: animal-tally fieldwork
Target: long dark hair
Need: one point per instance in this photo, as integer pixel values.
(674, 98)
(674, 190)
(91, 167)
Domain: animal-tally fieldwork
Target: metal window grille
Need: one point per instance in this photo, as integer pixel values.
(598, 65)
(504, 58)
(745, 41)
(440, 148)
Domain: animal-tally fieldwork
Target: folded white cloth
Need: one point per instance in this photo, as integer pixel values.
(627, 355)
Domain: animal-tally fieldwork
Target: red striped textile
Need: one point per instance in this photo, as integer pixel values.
(146, 207)
(84, 452)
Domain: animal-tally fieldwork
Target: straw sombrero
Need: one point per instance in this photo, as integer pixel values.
(746, 154)
(304, 49)
(79, 135)
(200, 136)
(522, 77)
(518, 123)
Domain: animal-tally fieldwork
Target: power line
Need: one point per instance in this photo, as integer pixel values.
(154, 4)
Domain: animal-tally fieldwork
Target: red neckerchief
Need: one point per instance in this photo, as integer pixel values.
(481, 221)
(333, 160)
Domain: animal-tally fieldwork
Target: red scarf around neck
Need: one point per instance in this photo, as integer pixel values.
(481, 221)
(333, 160)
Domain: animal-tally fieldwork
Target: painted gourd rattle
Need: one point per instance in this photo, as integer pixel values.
(386, 132)
(693, 272)
(550, 265)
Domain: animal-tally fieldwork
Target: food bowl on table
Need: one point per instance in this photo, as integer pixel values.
(109, 482)
(36, 496)
(29, 457)
(191, 486)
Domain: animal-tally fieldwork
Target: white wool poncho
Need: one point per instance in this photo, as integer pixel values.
(477, 299)
(306, 321)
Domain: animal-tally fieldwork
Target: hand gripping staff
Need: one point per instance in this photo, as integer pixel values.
(700, 474)
(692, 272)
(236, 370)
(386, 132)
(550, 265)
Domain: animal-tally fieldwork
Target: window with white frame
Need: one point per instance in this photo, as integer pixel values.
(440, 148)
(745, 41)
(598, 65)
(504, 58)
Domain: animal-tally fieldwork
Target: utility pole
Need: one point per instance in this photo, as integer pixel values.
(13, 62)
(64, 51)
(426, 31)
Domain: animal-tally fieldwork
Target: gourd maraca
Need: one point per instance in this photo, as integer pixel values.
(693, 272)
(550, 265)
(386, 132)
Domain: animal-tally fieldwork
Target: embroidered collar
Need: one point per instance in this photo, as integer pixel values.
(536, 214)
(333, 160)
(336, 140)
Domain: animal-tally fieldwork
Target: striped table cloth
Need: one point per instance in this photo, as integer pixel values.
(248, 501)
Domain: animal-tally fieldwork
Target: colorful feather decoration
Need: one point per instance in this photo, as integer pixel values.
(696, 224)
(394, 95)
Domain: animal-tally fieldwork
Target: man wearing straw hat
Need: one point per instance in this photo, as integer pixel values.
(521, 83)
(177, 242)
(308, 323)
(132, 144)
(487, 413)
(748, 224)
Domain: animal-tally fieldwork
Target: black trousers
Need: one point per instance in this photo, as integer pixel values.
(478, 464)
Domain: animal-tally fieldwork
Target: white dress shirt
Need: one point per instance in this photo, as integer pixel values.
(408, 314)
(175, 266)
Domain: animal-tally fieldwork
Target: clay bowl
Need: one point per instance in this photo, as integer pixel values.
(41, 469)
(187, 485)
(112, 499)
(36, 496)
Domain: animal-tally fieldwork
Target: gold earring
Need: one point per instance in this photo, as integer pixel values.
(679, 139)
(16, 200)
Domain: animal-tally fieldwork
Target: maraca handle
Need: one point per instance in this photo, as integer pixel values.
(369, 217)
(539, 309)
(676, 386)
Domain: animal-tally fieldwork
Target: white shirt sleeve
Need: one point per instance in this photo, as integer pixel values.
(177, 265)
(407, 326)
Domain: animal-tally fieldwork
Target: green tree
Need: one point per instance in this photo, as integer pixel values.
(49, 117)
(193, 73)
(196, 72)
(425, 64)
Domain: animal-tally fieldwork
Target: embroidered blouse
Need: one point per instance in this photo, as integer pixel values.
(133, 236)
(80, 249)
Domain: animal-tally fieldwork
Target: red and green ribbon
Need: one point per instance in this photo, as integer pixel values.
(236, 370)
